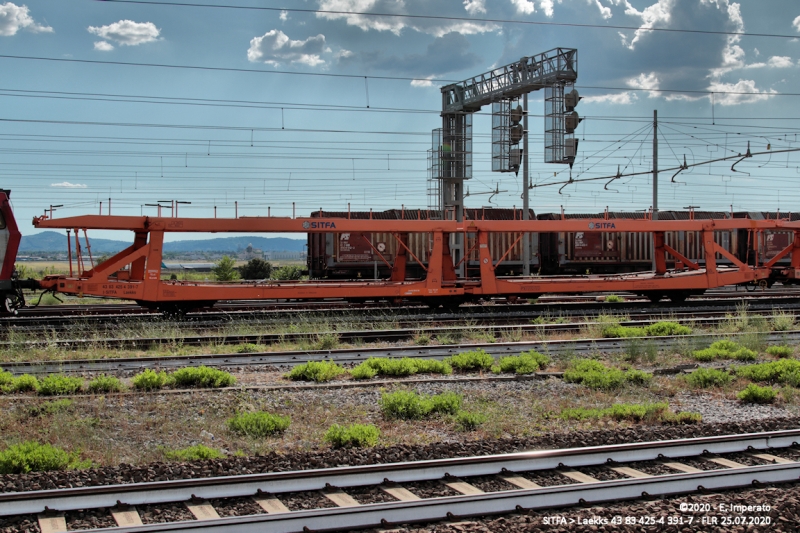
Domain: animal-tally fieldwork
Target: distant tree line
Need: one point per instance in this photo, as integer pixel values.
(254, 269)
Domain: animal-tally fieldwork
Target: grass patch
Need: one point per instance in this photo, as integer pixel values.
(651, 412)
(596, 375)
(203, 377)
(102, 384)
(467, 421)
(23, 383)
(636, 349)
(318, 371)
(785, 371)
(399, 367)
(756, 394)
(49, 408)
(524, 363)
(247, 348)
(258, 424)
(151, 380)
(472, 360)
(59, 384)
(659, 329)
(725, 349)
(782, 320)
(614, 298)
(327, 341)
(355, 435)
(409, 405)
(704, 378)
(34, 457)
(780, 351)
(422, 339)
(194, 453)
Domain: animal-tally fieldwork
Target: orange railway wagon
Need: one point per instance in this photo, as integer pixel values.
(135, 273)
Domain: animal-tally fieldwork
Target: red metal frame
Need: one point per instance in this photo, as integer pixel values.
(14, 236)
(135, 273)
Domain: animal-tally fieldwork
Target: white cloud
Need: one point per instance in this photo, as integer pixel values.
(742, 86)
(648, 82)
(347, 10)
(605, 12)
(780, 62)
(474, 7)
(103, 46)
(68, 185)
(284, 15)
(796, 23)
(658, 13)
(422, 83)
(14, 18)
(275, 47)
(127, 32)
(524, 7)
(547, 7)
(343, 54)
(624, 98)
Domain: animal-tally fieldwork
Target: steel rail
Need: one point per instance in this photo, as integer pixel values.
(487, 322)
(18, 503)
(344, 356)
(406, 326)
(584, 304)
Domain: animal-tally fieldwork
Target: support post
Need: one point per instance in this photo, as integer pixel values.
(655, 177)
(526, 238)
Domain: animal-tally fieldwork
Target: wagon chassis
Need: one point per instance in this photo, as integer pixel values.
(135, 273)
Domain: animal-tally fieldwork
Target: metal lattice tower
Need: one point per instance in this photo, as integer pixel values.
(552, 69)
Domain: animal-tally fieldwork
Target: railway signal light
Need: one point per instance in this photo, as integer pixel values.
(571, 118)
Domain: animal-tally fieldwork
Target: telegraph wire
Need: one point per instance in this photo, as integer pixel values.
(358, 76)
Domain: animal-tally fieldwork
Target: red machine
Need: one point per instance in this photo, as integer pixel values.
(10, 237)
(135, 273)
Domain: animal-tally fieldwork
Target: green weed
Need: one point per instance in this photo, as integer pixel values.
(467, 421)
(756, 394)
(708, 377)
(725, 349)
(785, 371)
(59, 384)
(151, 380)
(472, 360)
(318, 371)
(104, 384)
(524, 363)
(203, 377)
(194, 453)
(410, 405)
(259, 424)
(356, 435)
(596, 375)
(780, 351)
(399, 367)
(34, 457)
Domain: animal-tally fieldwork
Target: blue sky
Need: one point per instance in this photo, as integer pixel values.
(319, 105)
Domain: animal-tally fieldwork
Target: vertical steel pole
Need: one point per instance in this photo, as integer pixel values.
(655, 178)
(526, 238)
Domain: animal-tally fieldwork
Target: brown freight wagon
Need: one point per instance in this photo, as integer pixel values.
(353, 256)
(610, 252)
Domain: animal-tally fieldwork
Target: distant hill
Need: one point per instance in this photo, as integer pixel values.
(52, 241)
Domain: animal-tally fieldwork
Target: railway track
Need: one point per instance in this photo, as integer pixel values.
(379, 495)
(357, 355)
(552, 301)
(98, 325)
